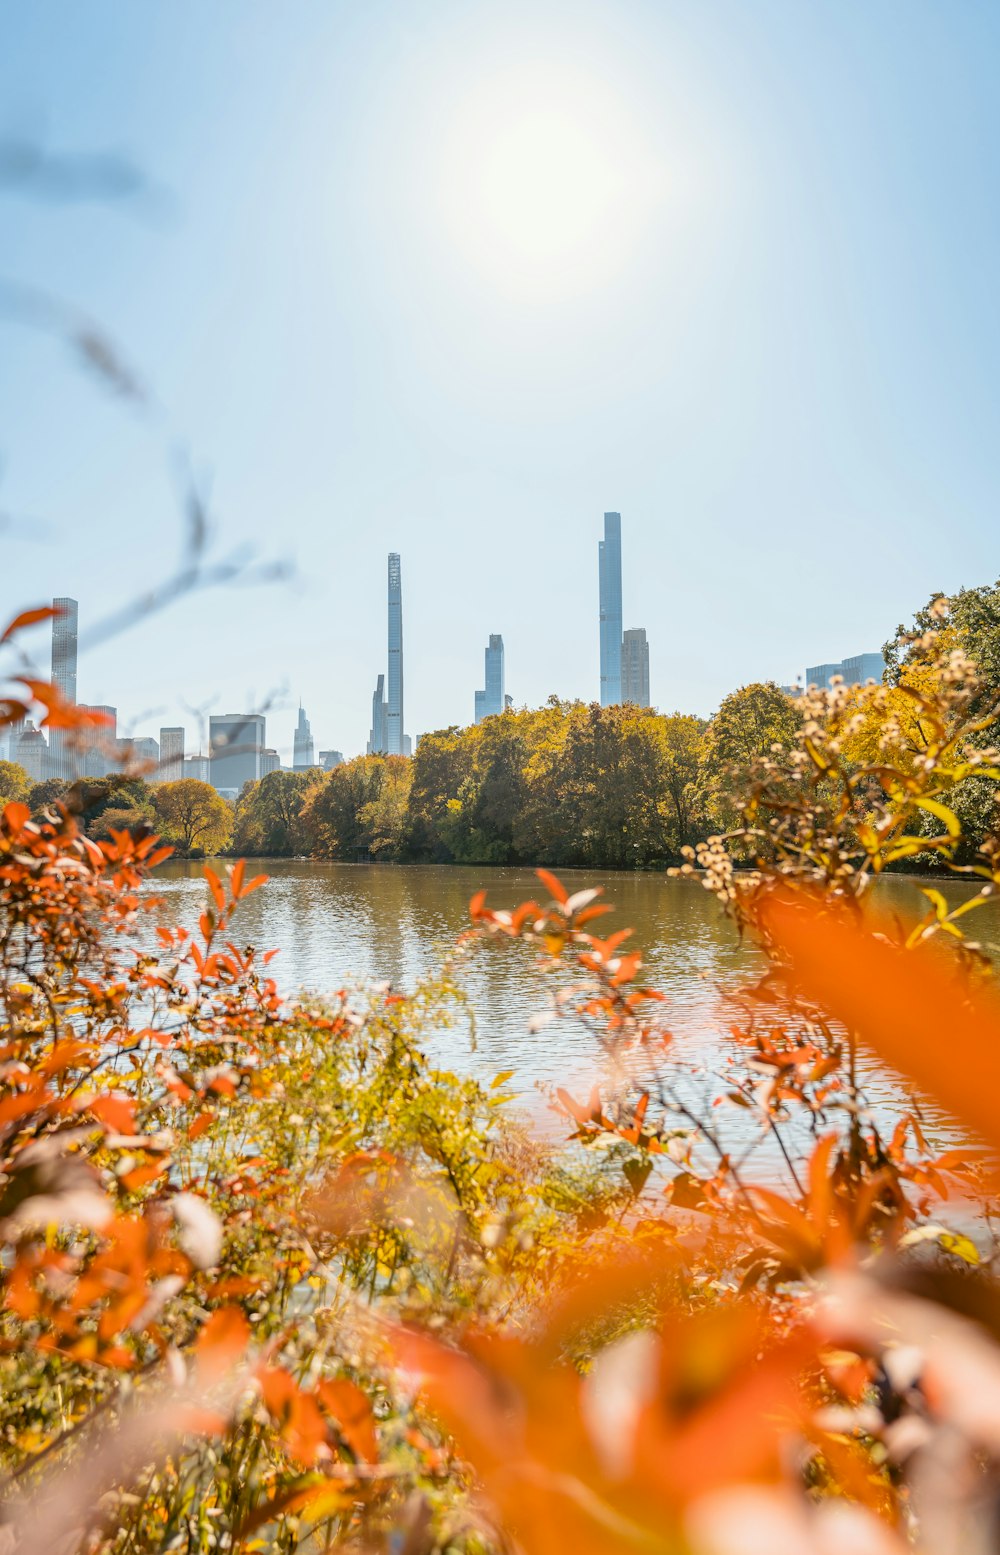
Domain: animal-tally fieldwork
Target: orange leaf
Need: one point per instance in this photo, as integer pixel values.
(30, 618)
(221, 1343)
(555, 887)
(911, 1006)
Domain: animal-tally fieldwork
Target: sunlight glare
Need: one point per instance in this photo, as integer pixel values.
(547, 182)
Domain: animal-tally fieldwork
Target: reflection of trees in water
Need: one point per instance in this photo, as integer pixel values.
(335, 922)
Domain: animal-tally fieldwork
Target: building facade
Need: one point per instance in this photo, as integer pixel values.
(395, 735)
(855, 671)
(33, 752)
(378, 739)
(635, 666)
(609, 566)
(303, 753)
(492, 700)
(198, 768)
(171, 754)
(236, 745)
(330, 759)
(63, 760)
(270, 761)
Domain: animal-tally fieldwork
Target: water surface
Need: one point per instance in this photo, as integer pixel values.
(337, 924)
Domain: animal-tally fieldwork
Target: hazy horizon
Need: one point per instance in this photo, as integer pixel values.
(454, 281)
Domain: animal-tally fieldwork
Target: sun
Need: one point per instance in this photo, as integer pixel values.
(546, 181)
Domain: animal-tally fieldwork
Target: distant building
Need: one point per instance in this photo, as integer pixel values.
(304, 752)
(65, 628)
(609, 562)
(856, 671)
(142, 750)
(270, 761)
(378, 739)
(97, 749)
(508, 702)
(171, 754)
(330, 759)
(33, 752)
(792, 691)
(395, 736)
(236, 745)
(490, 701)
(197, 767)
(635, 667)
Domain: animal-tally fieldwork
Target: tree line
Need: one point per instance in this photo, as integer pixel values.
(567, 784)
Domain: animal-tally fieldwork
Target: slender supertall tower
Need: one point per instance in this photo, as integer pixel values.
(609, 561)
(395, 736)
(64, 642)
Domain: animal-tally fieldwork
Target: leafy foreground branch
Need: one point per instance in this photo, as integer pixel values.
(273, 1280)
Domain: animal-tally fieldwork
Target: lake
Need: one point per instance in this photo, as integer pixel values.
(337, 924)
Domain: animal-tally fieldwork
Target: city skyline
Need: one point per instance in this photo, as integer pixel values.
(384, 355)
(238, 750)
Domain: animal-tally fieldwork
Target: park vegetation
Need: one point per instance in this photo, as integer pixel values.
(565, 785)
(272, 1279)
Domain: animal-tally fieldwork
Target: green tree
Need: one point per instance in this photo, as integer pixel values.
(750, 722)
(441, 763)
(192, 816)
(359, 809)
(47, 793)
(682, 735)
(269, 815)
(14, 782)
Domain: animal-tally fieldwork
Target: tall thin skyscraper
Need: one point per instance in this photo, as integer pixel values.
(490, 700)
(303, 753)
(64, 646)
(635, 666)
(396, 742)
(609, 560)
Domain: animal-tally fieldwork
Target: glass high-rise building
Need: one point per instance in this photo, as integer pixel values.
(395, 736)
(609, 560)
(236, 744)
(491, 699)
(854, 671)
(65, 628)
(303, 752)
(171, 755)
(635, 666)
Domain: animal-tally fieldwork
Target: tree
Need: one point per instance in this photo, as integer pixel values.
(193, 816)
(14, 782)
(969, 620)
(47, 793)
(343, 818)
(269, 815)
(682, 735)
(118, 819)
(440, 765)
(748, 724)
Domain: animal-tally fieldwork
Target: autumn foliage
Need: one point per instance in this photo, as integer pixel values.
(271, 1279)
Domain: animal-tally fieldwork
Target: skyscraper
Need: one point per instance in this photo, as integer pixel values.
(378, 739)
(171, 755)
(395, 737)
(236, 742)
(609, 561)
(635, 667)
(64, 645)
(303, 753)
(490, 700)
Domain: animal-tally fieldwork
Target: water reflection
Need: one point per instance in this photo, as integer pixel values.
(337, 924)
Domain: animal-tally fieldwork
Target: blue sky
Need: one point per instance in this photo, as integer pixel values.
(452, 279)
